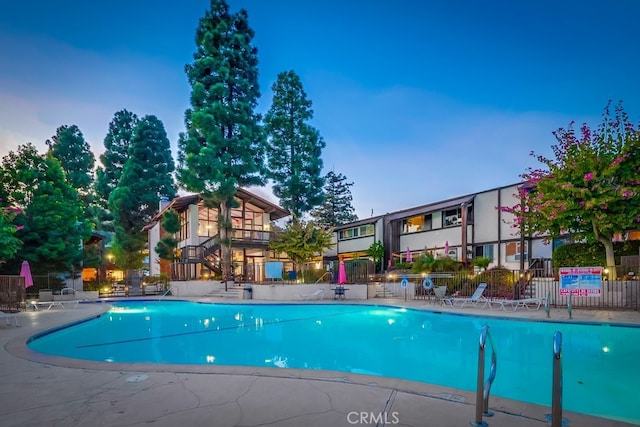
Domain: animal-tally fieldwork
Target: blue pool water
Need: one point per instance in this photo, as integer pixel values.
(601, 369)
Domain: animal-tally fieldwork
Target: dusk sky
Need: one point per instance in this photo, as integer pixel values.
(417, 101)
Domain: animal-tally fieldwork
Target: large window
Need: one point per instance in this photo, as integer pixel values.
(352, 233)
(207, 221)
(184, 226)
(417, 223)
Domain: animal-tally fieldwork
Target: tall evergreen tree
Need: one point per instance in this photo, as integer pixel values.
(69, 146)
(336, 208)
(146, 176)
(53, 230)
(74, 153)
(223, 148)
(51, 210)
(116, 144)
(294, 156)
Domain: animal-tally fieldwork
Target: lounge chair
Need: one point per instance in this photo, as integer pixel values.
(529, 303)
(316, 295)
(473, 300)
(10, 316)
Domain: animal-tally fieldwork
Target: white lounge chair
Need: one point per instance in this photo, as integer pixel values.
(10, 316)
(529, 303)
(49, 304)
(473, 300)
(316, 295)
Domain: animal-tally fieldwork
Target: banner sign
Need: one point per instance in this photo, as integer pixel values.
(581, 281)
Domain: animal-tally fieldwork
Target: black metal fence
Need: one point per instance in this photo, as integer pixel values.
(12, 293)
(618, 291)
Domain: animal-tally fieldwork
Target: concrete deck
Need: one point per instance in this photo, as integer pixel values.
(42, 390)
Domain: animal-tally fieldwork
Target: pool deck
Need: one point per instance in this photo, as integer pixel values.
(42, 390)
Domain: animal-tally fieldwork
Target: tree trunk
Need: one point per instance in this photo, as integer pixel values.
(224, 228)
(608, 250)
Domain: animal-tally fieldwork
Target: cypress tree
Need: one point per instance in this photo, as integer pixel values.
(116, 144)
(294, 156)
(146, 176)
(222, 148)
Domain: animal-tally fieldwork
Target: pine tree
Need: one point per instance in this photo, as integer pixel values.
(116, 153)
(336, 208)
(74, 153)
(69, 146)
(223, 148)
(294, 156)
(146, 176)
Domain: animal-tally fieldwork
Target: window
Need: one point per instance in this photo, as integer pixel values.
(184, 225)
(485, 251)
(512, 252)
(362, 231)
(207, 221)
(452, 217)
(417, 223)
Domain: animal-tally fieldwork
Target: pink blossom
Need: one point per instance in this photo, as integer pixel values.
(626, 193)
(589, 176)
(582, 203)
(19, 227)
(619, 159)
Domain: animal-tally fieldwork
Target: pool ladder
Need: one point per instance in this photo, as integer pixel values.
(483, 388)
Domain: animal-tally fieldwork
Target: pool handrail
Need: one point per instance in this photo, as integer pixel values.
(483, 388)
(556, 388)
(167, 292)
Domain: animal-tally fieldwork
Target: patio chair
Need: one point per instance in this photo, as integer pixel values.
(473, 300)
(316, 295)
(529, 303)
(439, 293)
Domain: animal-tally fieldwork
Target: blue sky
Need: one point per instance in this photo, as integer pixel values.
(418, 101)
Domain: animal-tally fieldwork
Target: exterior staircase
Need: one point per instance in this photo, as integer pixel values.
(234, 291)
(385, 290)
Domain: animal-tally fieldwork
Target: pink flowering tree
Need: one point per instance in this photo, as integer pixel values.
(9, 243)
(592, 187)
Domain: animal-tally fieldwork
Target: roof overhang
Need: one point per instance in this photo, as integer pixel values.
(434, 207)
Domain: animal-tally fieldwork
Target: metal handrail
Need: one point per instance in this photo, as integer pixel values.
(483, 388)
(322, 277)
(556, 390)
(165, 294)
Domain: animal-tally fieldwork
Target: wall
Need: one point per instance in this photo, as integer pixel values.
(194, 288)
(284, 292)
(485, 216)
(356, 244)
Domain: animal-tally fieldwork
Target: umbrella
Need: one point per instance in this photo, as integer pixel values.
(409, 258)
(25, 271)
(446, 248)
(342, 274)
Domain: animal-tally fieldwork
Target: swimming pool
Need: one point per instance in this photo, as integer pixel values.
(600, 368)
